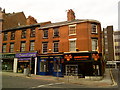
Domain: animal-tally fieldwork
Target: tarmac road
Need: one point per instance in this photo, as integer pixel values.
(24, 83)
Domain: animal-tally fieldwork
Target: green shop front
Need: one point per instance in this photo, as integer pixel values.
(7, 61)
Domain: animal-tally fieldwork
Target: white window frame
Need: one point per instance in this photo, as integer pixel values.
(57, 29)
(23, 48)
(12, 47)
(43, 45)
(70, 29)
(54, 45)
(70, 40)
(4, 47)
(92, 28)
(92, 45)
(32, 46)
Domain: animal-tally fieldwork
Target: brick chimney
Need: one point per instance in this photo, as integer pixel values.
(31, 20)
(70, 15)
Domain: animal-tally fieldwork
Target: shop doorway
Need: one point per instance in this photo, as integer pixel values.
(51, 70)
(71, 70)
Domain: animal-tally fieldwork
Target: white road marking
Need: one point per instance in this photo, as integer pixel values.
(51, 84)
(47, 85)
(41, 86)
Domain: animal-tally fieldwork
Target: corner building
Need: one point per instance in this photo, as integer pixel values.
(54, 46)
(72, 37)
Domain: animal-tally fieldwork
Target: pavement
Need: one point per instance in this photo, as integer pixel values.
(106, 81)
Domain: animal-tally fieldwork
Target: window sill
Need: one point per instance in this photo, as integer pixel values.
(45, 37)
(94, 33)
(56, 36)
(72, 34)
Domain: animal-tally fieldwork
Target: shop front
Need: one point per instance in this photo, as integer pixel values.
(82, 64)
(26, 59)
(50, 65)
(7, 61)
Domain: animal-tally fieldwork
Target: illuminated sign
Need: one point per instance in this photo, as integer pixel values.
(81, 57)
(68, 57)
(95, 57)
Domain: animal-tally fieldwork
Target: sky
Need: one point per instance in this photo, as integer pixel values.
(105, 11)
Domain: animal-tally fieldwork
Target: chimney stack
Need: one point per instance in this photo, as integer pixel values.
(31, 20)
(70, 15)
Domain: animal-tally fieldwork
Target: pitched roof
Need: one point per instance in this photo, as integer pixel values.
(11, 20)
(27, 26)
(51, 25)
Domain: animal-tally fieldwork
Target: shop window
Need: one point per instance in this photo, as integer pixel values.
(56, 46)
(5, 36)
(43, 66)
(72, 45)
(22, 46)
(32, 33)
(72, 29)
(57, 66)
(94, 44)
(96, 70)
(11, 47)
(4, 48)
(23, 35)
(56, 32)
(94, 28)
(32, 45)
(44, 47)
(45, 34)
(13, 35)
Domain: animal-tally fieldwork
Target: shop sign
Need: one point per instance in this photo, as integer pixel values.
(68, 57)
(81, 57)
(8, 55)
(24, 58)
(32, 54)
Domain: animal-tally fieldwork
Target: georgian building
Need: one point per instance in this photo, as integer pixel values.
(44, 44)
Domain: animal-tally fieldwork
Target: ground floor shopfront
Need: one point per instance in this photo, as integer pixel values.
(23, 60)
(7, 61)
(83, 64)
(50, 65)
(72, 64)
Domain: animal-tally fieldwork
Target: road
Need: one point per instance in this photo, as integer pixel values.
(16, 82)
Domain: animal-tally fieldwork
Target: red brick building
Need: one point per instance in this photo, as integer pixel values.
(51, 40)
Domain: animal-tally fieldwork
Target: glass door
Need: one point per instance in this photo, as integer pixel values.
(72, 70)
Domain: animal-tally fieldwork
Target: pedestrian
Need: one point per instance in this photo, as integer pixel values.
(28, 71)
(5, 67)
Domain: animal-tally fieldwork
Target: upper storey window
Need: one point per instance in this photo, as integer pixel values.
(13, 35)
(32, 33)
(94, 44)
(23, 35)
(5, 36)
(93, 28)
(72, 29)
(45, 34)
(56, 32)
(4, 47)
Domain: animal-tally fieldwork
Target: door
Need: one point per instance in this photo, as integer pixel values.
(72, 70)
(51, 67)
